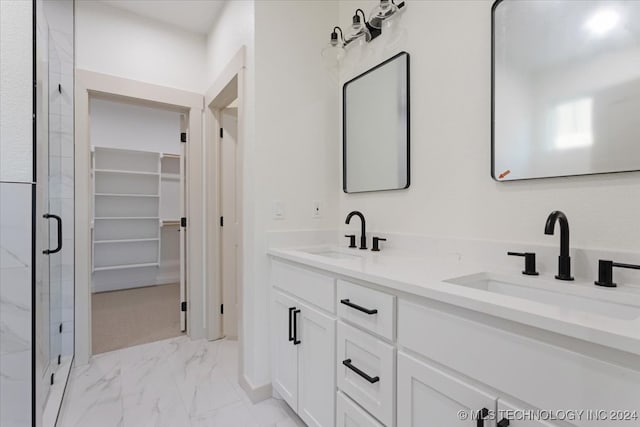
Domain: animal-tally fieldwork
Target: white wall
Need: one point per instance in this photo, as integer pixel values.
(452, 193)
(120, 43)
(290, 136)
(133, 127)
(16, 61)
(296, 143)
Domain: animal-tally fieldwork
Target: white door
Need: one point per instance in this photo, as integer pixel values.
(511, 415)
(428, 396)
(284, 350)
(230, 224)
(183, 238)
(316, 333)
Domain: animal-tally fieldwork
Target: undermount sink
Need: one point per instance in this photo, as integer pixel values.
(332, 253)
(563, 295)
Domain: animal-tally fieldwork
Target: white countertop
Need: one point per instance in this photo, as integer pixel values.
(424, 275)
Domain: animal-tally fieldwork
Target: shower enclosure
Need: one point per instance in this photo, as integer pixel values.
(36, 209)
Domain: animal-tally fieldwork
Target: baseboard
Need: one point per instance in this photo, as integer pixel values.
(256, 394)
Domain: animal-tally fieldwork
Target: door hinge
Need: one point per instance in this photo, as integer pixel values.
(183, 222)
(183, 137)
(221, 133)
(221, 221)
(183, 306)
(221, 308)
(60, 328)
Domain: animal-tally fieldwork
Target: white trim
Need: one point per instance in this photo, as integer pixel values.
(89, 83)
(256, 393)
(219, 95)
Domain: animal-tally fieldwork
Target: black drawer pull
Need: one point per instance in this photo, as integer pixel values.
(296, 341)
(358, 307)
(482, 414)
(348, 364)
(503, 422)
(290, 319)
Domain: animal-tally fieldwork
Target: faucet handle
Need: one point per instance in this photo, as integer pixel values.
(605, 272)
(352, 240)
(376, 244)
(529, 262)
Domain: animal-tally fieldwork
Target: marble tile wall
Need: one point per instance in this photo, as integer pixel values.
(15, 304)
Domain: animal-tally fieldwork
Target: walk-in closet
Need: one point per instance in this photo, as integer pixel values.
(137, 203)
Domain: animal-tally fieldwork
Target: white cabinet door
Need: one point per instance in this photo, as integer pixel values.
(512, 415)
(428, 396)
(284, 352)
(316, 367)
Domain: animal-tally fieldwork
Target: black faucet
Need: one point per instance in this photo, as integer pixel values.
(363, 236)
(564, 260)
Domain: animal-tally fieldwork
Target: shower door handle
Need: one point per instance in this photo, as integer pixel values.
(59, 247)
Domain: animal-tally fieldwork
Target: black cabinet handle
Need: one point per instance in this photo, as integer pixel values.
(59, 247)
(482, 414)
(358, 307)
(296, 341)
(290, 328)
(503, 422)
(348, 364)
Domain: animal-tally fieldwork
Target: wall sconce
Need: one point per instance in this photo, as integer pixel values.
(361, 29)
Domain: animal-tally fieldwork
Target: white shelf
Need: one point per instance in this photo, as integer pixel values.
(132, 192)
(126, 217)
(97, 242)
(126, 266)
(126, 195)
(124, 172)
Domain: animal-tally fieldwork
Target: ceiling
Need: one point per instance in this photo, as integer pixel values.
(197, 16)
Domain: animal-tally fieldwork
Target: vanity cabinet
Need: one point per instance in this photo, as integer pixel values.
(303, 345)
(428, 396)
(512, 411)
(350, 353)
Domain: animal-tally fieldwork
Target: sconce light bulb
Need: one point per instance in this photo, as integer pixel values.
(384, 11)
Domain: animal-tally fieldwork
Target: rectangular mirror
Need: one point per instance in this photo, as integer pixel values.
(376, 128)
(566, 88)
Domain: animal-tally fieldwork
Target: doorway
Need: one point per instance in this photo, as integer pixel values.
(229, 218)
(224, 124)
(138, 192)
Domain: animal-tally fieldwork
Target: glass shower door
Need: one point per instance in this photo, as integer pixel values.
(56, 184)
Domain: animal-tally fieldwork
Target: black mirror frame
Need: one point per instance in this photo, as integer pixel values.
(344, 127)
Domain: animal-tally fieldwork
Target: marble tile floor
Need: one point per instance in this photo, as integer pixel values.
(171, 383)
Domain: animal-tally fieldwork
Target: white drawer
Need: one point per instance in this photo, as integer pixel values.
(310, 286)
(357, 304)
(374, 359)
(349, 414)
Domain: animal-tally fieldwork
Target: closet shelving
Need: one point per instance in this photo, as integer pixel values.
(135, 195)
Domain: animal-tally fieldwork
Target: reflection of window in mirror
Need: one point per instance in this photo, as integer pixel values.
(573, 124)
